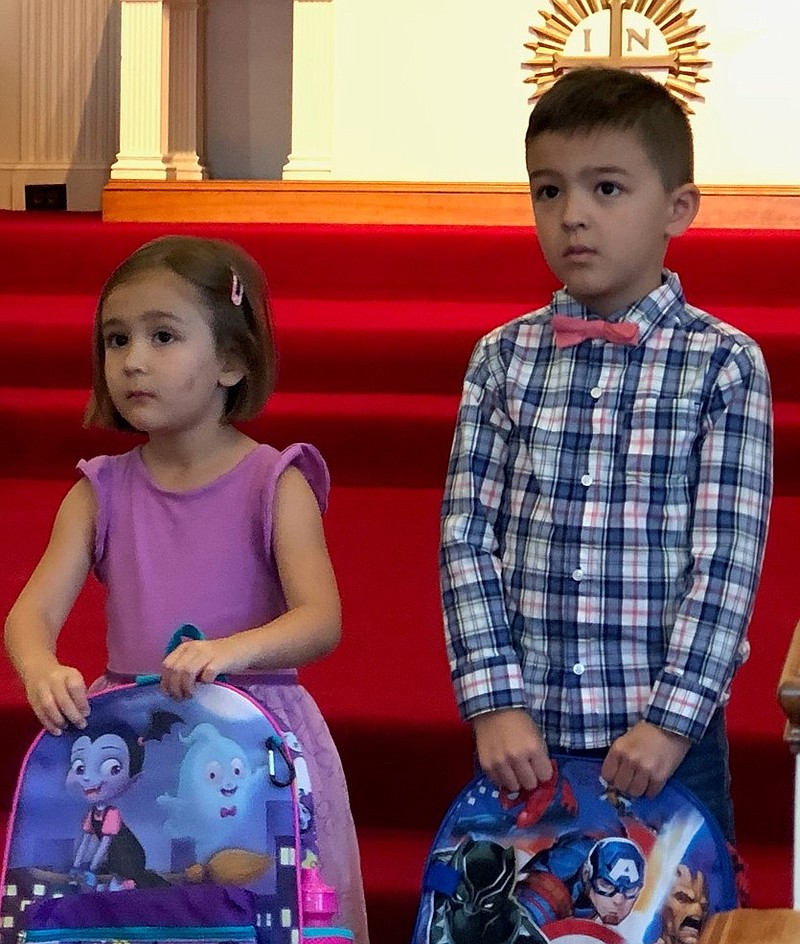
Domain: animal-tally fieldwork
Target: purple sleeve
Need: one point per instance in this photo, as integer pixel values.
(97, 472)
(310, 463)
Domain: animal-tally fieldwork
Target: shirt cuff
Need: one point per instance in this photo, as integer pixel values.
(489, 688)
(681, 707)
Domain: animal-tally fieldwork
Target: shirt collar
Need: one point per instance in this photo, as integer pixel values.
(662, 305)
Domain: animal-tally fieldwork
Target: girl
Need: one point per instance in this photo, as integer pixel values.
(199, 525)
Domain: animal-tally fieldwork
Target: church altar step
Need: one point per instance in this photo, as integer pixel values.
(398, 202)
(374, 326)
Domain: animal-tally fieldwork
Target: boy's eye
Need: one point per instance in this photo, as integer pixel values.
(115, 340)
(163, 336)
(608, 188)
(547, 192)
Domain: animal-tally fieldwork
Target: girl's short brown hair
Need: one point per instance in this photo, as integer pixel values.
(242, 332)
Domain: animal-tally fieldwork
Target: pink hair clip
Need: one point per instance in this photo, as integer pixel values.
(237, 289)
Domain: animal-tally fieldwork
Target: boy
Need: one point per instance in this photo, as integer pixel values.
(607, 497)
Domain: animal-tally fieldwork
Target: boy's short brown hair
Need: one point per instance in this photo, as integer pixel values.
(597, 97)
(242, 332)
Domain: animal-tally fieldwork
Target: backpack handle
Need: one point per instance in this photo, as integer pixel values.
(187, 631)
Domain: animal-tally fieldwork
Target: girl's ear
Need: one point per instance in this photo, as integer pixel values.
(231, 370)
(684, 202)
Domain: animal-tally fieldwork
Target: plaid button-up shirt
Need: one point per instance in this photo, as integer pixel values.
(604, 521)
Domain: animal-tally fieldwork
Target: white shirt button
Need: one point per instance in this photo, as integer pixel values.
(577, 574)
(595, 393)
(579, 668)
(586, 479)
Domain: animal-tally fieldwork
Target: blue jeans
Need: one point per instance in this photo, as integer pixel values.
(704, 771)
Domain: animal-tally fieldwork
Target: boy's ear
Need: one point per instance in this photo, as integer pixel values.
(684, 202)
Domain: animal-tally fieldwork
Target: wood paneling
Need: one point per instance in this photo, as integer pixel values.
(467, 204)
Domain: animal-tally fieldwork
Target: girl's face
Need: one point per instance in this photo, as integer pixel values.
(99, 770)
(161, 363)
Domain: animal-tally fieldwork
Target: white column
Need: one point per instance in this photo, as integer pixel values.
(187, 82)
(312, 91)
(144, 91)
(162, 90)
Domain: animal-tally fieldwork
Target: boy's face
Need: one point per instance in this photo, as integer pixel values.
(603, 217)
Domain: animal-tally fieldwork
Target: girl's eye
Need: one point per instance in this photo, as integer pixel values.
(115, 340)
(163, 336)
(547, 192)
(608, 188)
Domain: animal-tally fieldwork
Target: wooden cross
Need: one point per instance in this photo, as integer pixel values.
(615, 59)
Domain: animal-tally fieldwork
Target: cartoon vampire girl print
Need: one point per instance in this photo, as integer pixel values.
(104, 762)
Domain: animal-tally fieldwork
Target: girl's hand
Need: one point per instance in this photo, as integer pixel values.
(201, 661)
(56, 692)
(58, 696)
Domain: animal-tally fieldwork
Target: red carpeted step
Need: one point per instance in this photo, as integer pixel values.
(385, 691)
(393, 863)
(76, 252)
(769, 869)
(300, 260)
(374, 326)
(346, 345)
(395, 439)
(361, 345)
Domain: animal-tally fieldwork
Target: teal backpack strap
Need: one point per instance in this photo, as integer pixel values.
(187, 631)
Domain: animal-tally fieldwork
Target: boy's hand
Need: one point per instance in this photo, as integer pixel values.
(57, 695)
(511, 751)
(199, 660)
(641, 761)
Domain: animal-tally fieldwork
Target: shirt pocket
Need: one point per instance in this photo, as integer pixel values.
(659, 438)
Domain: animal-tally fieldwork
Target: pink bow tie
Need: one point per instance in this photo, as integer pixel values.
(227, 811)
(569, 330)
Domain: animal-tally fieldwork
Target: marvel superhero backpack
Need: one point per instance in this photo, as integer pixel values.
(574, 862)
(166, 821)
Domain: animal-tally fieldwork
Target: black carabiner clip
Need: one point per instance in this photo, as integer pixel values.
(276, 747)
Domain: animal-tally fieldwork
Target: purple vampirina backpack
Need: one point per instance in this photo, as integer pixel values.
(166, 821)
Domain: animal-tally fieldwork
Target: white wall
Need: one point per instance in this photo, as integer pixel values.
(433, 90)
(423, 90)
(59, 89)
(748, 130)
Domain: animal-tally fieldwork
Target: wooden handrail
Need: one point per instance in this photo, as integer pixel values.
(789, 692)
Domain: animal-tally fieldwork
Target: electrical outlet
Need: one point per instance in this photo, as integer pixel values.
(45, 196)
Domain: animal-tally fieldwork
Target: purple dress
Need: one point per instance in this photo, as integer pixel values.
(205, 557)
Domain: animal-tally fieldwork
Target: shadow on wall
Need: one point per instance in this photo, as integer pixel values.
(97, 142)
(249, 89)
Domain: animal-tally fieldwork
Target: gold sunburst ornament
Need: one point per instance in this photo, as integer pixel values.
(652, 36)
